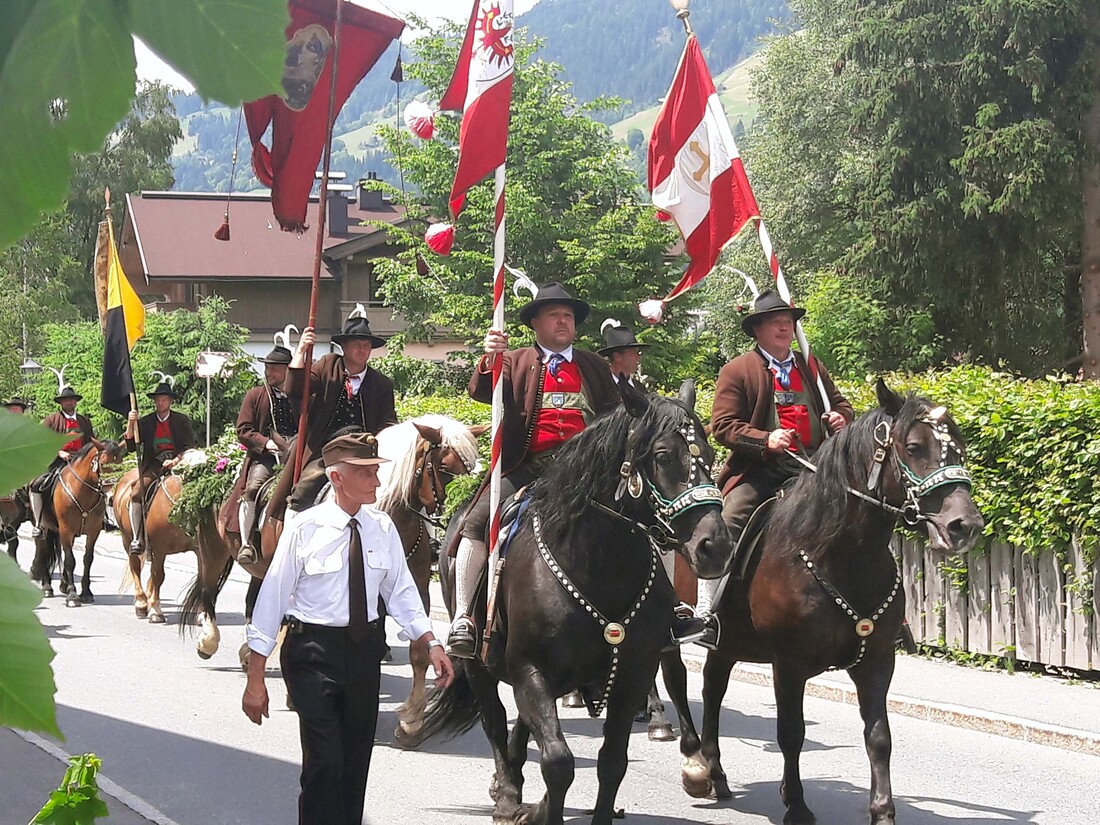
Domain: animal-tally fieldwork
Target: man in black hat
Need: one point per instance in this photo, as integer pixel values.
(344, 392)
(766, 403)
(164, 435)
(622, 350)
(551, 392)
(16, 405)
(331, 572)
(66, 421)
(267, 421)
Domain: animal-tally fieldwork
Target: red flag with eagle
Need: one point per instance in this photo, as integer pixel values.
(481, 88)
(298, 117)
(695, 173)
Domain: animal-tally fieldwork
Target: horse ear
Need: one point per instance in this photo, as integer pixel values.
(478, 430)
(636, 402)
(433, 435)
(889, 400)
(687, 393)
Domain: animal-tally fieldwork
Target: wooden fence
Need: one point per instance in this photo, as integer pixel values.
(1012, 604)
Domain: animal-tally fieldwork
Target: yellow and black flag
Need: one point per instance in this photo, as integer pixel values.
(123, 320)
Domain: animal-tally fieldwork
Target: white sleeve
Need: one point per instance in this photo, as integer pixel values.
(399, 591)
(275, 592)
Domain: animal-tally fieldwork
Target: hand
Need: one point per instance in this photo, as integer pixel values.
(272, 447)
(170, 463)
(496, 341)
(308, 339)
(834, 421)
(441, 664)
(780, 440)
(254, 703)
(63, 454)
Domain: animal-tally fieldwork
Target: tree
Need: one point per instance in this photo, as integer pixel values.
(576, 214)
(933, 152)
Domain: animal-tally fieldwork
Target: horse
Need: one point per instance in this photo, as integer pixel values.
(14, 510)
(163, 537)
(425, 454)
(77, 506)
(822, 590)
(582, 600)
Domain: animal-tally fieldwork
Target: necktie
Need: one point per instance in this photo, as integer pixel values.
(357, 586)
(347, 386)
(555, 362)
(783, 372)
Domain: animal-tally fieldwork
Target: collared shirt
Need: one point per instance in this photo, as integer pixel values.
(566, 353)
(308, 577)
(356, 380)
(778, 366)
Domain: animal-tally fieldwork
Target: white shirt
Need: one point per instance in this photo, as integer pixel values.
(566, 353)
(357, 380)
(308, 577)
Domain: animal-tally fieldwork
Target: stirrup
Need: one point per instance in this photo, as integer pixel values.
(246, 555)
(712, 635)
(36, 532)
(135, 547)
(462, 638)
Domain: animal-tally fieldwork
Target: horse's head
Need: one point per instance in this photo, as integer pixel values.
(95, 455)
(426, 454)
(929, 481)
(668, 463)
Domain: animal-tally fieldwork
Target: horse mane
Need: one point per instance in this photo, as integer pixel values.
(398, 443)
(587, 466)
(815, 509)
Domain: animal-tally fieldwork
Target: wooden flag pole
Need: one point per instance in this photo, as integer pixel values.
(322, 213)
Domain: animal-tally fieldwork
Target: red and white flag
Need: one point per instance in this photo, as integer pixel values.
(481, 88)
(695, 173)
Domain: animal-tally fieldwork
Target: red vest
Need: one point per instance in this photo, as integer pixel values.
(162, 439)
(561, 415)
(72, 425)
(793, 406)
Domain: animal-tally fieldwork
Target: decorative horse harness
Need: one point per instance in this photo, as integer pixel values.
(916, 488)
(96, 488)
(439, 477)
(661, 535)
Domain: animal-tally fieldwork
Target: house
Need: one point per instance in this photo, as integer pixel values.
(169, 251)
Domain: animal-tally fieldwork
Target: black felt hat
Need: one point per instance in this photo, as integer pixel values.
(554, 293)
(279, 355)
(67, 392)
(164, 388)
(16, 401)
(358, 327)
(617, 337)
(766, 303)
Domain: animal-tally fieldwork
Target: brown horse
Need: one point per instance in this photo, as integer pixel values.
(823, 591)
(425, 454)
(75, 508)
(163, 538)
(14, 510)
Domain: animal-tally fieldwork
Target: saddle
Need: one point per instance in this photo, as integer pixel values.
(744, 555)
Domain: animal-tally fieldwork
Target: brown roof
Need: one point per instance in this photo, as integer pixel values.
(170, 235)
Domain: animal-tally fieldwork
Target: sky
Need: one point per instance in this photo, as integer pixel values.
(151, 67)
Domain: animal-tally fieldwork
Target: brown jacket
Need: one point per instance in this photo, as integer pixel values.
(182, 437)
(523, 374)
(744, 411)
(56, 422)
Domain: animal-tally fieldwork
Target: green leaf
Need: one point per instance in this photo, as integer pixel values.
(231, 51)
(26, 680)
(26, 448)
(66, 78)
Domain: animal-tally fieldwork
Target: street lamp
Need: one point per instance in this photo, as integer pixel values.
(28, 369)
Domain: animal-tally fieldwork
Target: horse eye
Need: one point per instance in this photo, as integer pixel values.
(664, 458)
(914, 448)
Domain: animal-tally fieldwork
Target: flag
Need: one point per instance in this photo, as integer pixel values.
(123, 325)
(481, 88)
(695, 173)
(299, 117)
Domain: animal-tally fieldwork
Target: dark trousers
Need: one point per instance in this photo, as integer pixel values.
(758, 485)
(310, 482)
(476, 524)
(259, 471)
(333, 683)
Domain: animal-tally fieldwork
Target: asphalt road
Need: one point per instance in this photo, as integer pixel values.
(173, 739)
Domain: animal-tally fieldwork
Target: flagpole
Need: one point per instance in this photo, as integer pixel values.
(496, 565)
(322, 214)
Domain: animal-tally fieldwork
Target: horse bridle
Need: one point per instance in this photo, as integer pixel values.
(96, 488)
(632, 482)
(431, 465)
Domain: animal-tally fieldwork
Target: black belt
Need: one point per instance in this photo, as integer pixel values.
(296, 627)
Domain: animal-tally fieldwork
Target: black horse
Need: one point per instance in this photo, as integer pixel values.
(584, 603)
(823, 590)
(14, 510)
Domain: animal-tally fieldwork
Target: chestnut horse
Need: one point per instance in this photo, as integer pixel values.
(76, 507)
(823, 590)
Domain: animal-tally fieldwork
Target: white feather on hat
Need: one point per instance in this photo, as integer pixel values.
(60, 378)
(609, 322)
(285, 336)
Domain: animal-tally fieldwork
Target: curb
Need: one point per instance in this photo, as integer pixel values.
(998, 724)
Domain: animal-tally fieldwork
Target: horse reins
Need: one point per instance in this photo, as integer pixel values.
(96, 488)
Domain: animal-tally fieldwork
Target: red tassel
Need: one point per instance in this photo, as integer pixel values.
(440, 237)
(420, 119)
(223, 231)
(663, 216)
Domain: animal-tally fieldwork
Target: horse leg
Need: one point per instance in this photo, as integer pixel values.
(410, 715)
(517, 755)
(156, 579)
(68, 571)
(539, 712)
(11, 539)
(141, 600)
(494, 721)
(872, 679)
(716, 678)
(611, 762)
(90, 538)
(42, 566)
(790, 694)
(658, 729)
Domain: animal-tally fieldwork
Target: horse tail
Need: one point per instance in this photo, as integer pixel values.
(454, 710)
(198, 596)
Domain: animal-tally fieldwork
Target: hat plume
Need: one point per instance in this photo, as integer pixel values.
(284, 336)
(60, 378)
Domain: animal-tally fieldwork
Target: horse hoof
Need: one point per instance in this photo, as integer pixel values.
(141, 612)
(661, 733)
(47, 592)
(72, 601)
(203, 654)
(87, 598)
(695, 778)
(572, 700)
(156, 618)
(406, 740)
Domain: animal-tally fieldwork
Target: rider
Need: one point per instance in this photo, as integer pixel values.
(165, 436)
(16, 405)
(66, 421)
(551, 392)
(268, 418)
(344, 392)
(621, 349)
(766, 404)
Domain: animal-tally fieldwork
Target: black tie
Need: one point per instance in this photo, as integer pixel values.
(357, 586)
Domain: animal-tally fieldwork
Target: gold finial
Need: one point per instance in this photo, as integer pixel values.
(682, 13)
